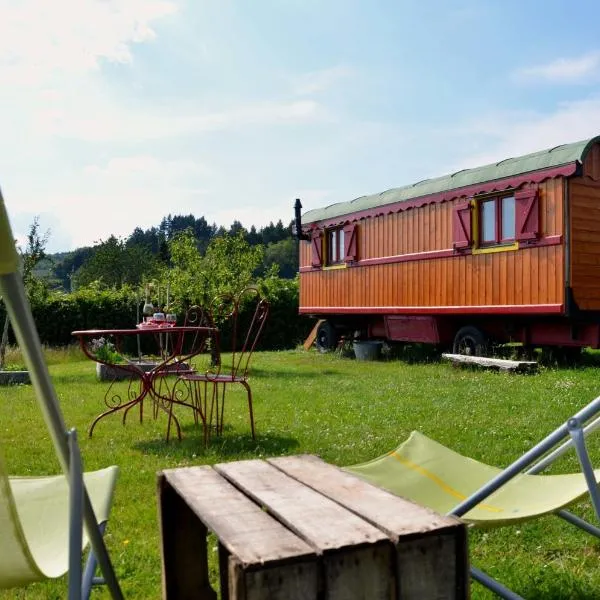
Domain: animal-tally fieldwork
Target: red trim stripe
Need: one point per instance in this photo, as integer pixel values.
(507, 309)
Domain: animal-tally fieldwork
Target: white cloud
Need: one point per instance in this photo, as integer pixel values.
(51, 58)
(503, 135)
(114, 198)
(563, 70)
(40, 38)
(140, 168)
(96, 117)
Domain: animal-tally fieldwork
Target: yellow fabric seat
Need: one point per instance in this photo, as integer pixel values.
(34, 523)
(432, 475)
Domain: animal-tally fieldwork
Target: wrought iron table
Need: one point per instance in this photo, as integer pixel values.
(177, 347)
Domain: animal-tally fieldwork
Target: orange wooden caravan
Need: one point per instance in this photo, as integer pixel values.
(504, 252)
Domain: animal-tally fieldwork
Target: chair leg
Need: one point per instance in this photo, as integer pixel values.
(245, 384)
(220, 408)
(90, 570)
(216, 409)
(199, 405)
(169, 421)
(579, 522)
(196, 398)
(172, 417)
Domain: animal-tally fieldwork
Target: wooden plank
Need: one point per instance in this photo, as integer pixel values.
(183, 548)
(432, 558)
(321, 522)
(235, 519)
(435, 566)
(312, 336)
(275, 583)
(586, 236)
(498, 363)
(392, 514)
(356, 556)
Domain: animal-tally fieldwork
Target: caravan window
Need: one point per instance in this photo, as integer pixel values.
(496, 220)
(335, 246)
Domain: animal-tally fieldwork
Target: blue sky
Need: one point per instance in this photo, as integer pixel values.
(115, 113)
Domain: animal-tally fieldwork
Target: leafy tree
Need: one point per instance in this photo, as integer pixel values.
(284, 255)
(65, 269)
(185, 276)
(149, 239)
(228, 265)
(180, 223)
(254, 237)
(114, 264)
(274, 233)
(235, 228)
(204, 233)
(34, 252)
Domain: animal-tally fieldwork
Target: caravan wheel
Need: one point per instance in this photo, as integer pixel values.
(471, 341)
(327, 338)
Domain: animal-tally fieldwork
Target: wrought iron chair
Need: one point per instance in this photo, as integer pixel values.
(195, 316)
(42, 518)
(246, 313)
(183, 392)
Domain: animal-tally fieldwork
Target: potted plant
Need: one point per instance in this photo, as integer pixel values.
(108, 369)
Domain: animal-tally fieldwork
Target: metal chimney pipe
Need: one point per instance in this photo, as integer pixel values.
(298, 234)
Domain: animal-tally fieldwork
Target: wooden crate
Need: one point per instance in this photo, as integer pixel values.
(298, 528)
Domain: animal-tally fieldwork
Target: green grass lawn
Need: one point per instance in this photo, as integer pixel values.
(344, 411)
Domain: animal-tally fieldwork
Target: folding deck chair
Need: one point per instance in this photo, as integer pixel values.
(41, 518)
(432, 475)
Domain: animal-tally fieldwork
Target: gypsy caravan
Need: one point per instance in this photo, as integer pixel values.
(500, 253)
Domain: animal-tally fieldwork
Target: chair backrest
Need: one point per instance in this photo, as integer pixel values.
(198, 316)
(247, 313)
(202, 316)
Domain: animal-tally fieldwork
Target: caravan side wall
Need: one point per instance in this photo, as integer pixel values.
(584, 196)
(407, 265)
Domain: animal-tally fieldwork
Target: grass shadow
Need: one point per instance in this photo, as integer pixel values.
(219, 447)
(290, 374)
(412, 353)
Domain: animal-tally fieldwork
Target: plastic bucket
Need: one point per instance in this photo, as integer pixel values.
(367, 350)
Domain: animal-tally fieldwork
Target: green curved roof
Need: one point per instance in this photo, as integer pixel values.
(510, 167)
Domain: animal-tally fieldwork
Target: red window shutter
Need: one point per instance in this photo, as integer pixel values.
(527, 215)
(350, 245)
(317, 248)
(461, 225)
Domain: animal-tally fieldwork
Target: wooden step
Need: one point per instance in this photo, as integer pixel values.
(492, 363)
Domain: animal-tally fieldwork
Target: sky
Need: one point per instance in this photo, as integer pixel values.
(116, 113)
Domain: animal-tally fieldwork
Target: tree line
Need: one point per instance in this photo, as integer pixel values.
(181, 263)
(145, 253)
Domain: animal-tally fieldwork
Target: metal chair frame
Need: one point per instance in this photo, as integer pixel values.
(228, 307)
(64, 441)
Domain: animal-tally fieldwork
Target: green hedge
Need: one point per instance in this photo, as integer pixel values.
(59, 314)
